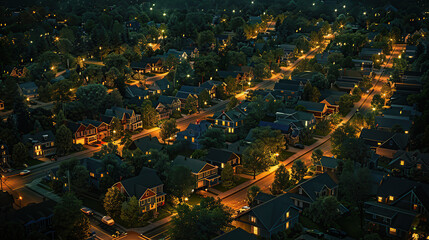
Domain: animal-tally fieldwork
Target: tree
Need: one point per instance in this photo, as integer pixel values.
(204, 221)
(94, 94)
(22, 116)
(180, 182)
(227, 176)
(149, 114)
(323, 211)
(252, 192)
(213, 138)
(298, 170)
(345, 103)
(116, 128)
(205, 38)
(19, 154)
(255, 159)
(354, 149)
(204, 98)
(316, 156)
(272, 141)
(206, 65)
(63, 140)
(113, 202)
(232, 103)
(340, 135)
(131, 212)
(69, 222)
(311, 93)
(116, 61)
(191, 104)
(319, 80)
(168, 129)
(281, 180)
(377, 102)
(159, 161)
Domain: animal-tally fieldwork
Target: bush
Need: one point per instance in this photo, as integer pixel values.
(231, 137)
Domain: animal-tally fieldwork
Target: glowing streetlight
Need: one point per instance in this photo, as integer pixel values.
(344, 6)
(253, 2)
(314, 4)
(151, 9)
(164, 14)
(335, 10)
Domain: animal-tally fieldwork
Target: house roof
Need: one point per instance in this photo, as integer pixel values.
(263, 197)
(219, 155)
(183, 95)
(294, 114)
(287, 87)
(333, 99)
(43, 136)
(411, 158)
(166, 100)
(142, 63)
(118, 112)
(34, 212)
(233, 114)
(328, 162)
(312, 106)
(192, 164)
(134, 91)
(316, 184)
(162, 84)
(191, 89)
(384, 136)
(146, 144)
(28, 85)
(91, 164)
(235, 234)
(385, 122)
(196, 130)
(137, 186)
(284, 128)
(209, 84)
(95, 123)
(401, 219)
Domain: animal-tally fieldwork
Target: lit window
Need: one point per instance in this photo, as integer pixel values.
(287, 225)
(255, 230)
(222, 165)
(101, 175)
(419, 166)
(193, 139)
(253, 219)
(392, 231)
(415, 206)
(216, 121)
(391, 198)
(380, 199)
(379, 144)
(287, 215)
(223, 123)
(91, 174)
(406, 132)
(402, 162)
(186, 137)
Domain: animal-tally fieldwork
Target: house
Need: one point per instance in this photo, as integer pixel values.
(42, 143)
(322, 58)
(226, 74)
(136, 94)
(146, 144)
(288, 88)
(367, 53)
(332, 102)
(231, 121)
(29, 90)
(235, 234)
(219, 157)
(193, 133)
(410, 51)
(384, 143)
(267, 219)
(410, 163)
(160, 86)
(402, 113)
(262, 197)
(88, 131)
(185, 96)
(387, 124)
(1, 104)
(296, 119)
(4, 156)
(288, 51)
(165, 106)
(290, 131)
(399, 202)
(147, 187)
(365, 66)
(36, 218)
(96, 170)
(206, 175)
(246, 72)
(147, 65)
(133, 25)
(211, 87)
(320, 110)
(128, 118)
(307, 191)
(327, 164)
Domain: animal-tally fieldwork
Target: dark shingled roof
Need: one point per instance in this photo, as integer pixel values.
(40, 137)
(328, 162)
(315, 184)
(137, 186)
(264, 197)
(146, 144)
(34, 212)
(236, 234)
(312, 106)
(385, 122)
(166, 100)
(219, 155)
(194, 165)
(401, 219)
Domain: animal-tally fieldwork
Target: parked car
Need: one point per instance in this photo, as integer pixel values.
(108, 220)
(336, 233)
(24, 172)
(87, 211)
(243, 209)
(315, 233)
(298, 145)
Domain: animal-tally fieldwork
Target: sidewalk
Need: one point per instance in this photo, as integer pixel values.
(152, 226)
(34, 187)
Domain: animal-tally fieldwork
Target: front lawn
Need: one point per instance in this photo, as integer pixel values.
(239, 180)
(351, 225)
(285, 155)
(194, 199)
(309, 142)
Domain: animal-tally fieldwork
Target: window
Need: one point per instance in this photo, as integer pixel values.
(222, 165)
(223, 123)
(380, 199)
(287, 215)
(379, 143)
(392, 231)
(101, 175)
(193, 139)
(91, 174)
(391, 198)
(216, 121)
(186, 137)
(415, 207)
(287, 225)
(419, 166)
(252, 219)
(300, 190)
(236, 124)
(255, 230)
(402, 163)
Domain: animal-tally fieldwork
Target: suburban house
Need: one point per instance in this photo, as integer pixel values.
(211, 87)
(327, 164)
(237, 233)
(193, 133)
(290, 131)
(297, 119)
(367, 53)
(147, 65)
(165, 106)
(332, 102)
(307, 191)
(136, 95)
(220, 157)
(320, 110)
(128, 118)
(147, 187)
(206, 175)
(262, 197)
(95, 169)
(265, 220)
(231, 121)
(42, 143)
(1, 104)
(146, 144)
(403, 113)
(410, 163)
(184, 96)
(29, 90)
(289, 88)
(288, 51)
(4, 156)
(387, 124)
(384, 143)
(88, 131)
(36, 218)
(160, 86)
(398, 204)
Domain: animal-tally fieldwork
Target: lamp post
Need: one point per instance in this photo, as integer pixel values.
(20, 201)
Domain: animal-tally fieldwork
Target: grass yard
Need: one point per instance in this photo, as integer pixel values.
(239, 180)
(164, 212)
(308, 223)
(33, 162)
(285, 155)
(351, 225)
(310, 142)
(194, 199)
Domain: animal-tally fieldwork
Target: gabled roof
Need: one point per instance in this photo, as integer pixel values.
(328, 162)
(40, 137)
(166, 100)
(219, 155)
(194, 165)
(384, 122)
(146, 143)
(191, 89)
(332, 99)
(411, 158)
(236, 234)
(28, 85)
(375, 135)
(264, 197)
(400, 218)
(34, 212)
(209, 84)
(94, 123)
(118, 112)
(184, 95)
(92, 165)
(137, 186)
(312, 106)
(233, 114)
(196, 130)
(294, 114)
(284, 128)
(134, 91)
(287, 87)
(316, 184)
(144, 62)
(162, 84)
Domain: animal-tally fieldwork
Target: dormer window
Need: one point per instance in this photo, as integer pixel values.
(252, 219)
(419, 166)
(380, 199)
(391, 198)
(287, 215)
(402, 163)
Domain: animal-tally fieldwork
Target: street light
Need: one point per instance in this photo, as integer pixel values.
(20, 201)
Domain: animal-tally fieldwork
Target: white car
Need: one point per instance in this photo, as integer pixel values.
(108, 220)
(87, 211)
(24, 172)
